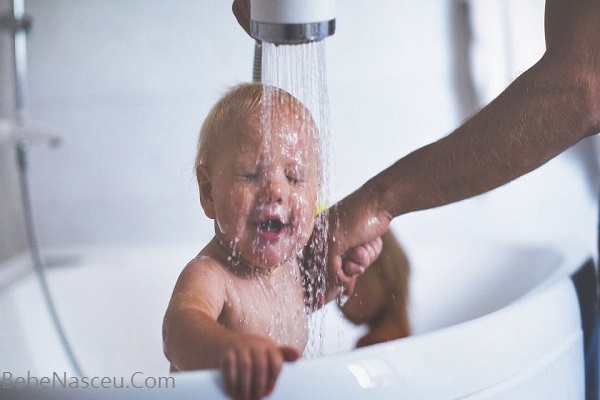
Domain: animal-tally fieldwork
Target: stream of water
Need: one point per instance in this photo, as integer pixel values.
(301, 70)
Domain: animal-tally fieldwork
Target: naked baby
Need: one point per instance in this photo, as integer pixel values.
(240, 305)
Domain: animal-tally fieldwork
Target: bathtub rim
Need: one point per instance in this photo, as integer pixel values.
(573, 259)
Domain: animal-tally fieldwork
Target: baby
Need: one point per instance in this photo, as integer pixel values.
(240, 304)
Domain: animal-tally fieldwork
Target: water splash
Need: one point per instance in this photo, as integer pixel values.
(301, 71)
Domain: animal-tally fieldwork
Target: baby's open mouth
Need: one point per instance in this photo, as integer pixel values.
(271, 225)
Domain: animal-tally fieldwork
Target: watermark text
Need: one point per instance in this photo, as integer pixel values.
(137, 380)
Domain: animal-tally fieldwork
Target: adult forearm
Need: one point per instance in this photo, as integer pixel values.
(544, 112)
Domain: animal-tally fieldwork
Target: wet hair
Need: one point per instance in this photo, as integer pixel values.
(240, 100)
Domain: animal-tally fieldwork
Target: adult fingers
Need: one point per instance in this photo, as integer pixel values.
(241, 11)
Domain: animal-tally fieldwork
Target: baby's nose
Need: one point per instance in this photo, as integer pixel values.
(275, 189)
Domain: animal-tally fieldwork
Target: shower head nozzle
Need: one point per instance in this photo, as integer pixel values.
(292, 21)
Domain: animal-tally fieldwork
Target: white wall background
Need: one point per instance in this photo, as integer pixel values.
(131, 81)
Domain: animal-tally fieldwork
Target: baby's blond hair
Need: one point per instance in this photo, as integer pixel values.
(240, 100)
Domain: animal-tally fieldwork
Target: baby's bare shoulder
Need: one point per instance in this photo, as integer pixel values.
(202, 271)
(201, 285)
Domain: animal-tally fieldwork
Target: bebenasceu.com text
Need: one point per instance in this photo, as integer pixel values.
(137, 380)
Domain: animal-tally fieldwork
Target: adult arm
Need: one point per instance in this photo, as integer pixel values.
(548, 109)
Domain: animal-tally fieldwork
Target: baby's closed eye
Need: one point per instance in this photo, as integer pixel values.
(248, 172)
(295, 176)
(251, 176)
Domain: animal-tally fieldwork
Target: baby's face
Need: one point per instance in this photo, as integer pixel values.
(265, 187)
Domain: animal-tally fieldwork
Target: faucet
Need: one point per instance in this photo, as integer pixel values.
(292, 21)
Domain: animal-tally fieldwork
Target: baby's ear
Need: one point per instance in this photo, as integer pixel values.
(205, 187)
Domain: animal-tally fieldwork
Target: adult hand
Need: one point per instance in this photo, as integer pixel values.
(355, 226)
(250, 367)
(241, 10)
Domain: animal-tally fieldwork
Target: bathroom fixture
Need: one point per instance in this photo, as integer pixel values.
(292, 21)
(17, 132)
(479, 332)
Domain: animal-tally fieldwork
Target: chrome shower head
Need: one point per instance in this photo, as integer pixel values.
(292, 21)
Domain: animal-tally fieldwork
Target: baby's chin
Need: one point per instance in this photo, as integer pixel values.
(270, 261)
(261, 255)
(271, 257)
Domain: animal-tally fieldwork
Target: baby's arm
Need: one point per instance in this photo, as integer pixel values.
(339, 279)
(193, 339)
(381, 296)
(342, 279)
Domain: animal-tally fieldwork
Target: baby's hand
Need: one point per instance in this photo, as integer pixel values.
(355, 261)
(251, 366)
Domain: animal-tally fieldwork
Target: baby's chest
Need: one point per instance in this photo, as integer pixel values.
(274, 310)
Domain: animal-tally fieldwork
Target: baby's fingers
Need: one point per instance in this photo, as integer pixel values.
(229, 373)
(357, 259)
(236, 369)
(276, 359)
(275, 364)
(374, 249)
(244, 372)
(261, 374)
(290, 353)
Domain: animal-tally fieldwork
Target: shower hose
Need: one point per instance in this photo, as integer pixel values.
(36, 254)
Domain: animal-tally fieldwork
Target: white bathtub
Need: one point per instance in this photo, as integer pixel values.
(497, 320)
